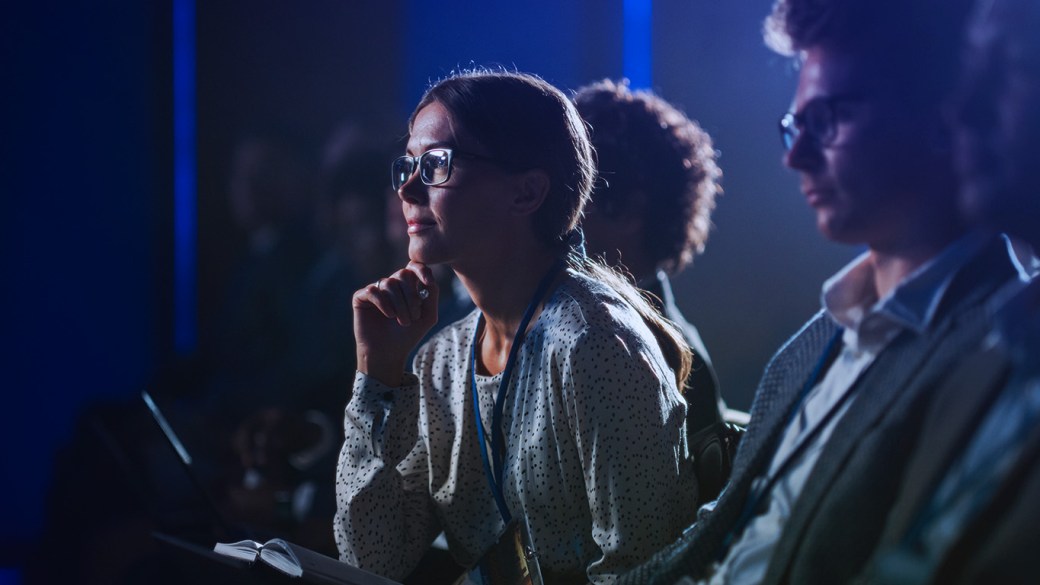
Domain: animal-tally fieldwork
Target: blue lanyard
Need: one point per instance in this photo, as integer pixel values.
(750, 508)
(494, 464)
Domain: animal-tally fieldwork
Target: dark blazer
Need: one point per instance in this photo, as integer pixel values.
(828, 538)
(705, 399)
(705, 418)
(1001, 544)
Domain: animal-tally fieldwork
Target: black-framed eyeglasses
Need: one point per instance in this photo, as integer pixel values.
(818, 120)
(434, 166)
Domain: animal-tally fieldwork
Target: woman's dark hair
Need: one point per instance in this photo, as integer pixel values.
(644, 144)
(526, 123)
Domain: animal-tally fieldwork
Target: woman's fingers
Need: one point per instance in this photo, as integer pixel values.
(374, 295)
(400, 296)
(397, 288)
(426, 285)
(391, 316)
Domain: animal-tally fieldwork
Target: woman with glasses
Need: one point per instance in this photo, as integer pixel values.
(551, 412)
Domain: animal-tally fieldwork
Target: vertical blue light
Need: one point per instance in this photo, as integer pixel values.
(637, 42)
(184, 177)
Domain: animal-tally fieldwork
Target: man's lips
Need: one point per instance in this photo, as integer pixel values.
(816, 196)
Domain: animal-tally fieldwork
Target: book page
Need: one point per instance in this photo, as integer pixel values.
(279, 554)
(246, 550)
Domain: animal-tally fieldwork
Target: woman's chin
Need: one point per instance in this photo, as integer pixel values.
(422, 255)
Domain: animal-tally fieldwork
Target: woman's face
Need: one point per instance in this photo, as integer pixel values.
(459, 220)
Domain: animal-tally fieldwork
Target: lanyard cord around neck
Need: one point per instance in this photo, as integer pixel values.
(495, 463)
(755, 500)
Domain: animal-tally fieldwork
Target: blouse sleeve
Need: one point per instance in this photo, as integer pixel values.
(628, 418)
(385, 520)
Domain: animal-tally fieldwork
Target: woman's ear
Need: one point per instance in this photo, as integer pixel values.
(532, 189)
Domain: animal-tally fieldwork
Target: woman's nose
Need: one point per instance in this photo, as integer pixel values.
(413, 189)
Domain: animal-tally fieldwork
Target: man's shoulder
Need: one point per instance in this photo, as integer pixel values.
(808, 343)
(984, 278)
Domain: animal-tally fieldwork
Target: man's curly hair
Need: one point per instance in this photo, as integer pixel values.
(917, 41)
(644, 144)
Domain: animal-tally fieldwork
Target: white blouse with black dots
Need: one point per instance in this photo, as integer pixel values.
(594, 445)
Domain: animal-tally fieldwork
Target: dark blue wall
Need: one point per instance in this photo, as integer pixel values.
(567, 43)
(85, 189)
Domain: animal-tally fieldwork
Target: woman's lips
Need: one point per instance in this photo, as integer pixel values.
(418, 225)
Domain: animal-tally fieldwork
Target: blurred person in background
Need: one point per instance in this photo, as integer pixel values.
(288, 446)
(967, 511)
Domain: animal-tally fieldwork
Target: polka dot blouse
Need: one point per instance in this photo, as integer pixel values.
(594, 447)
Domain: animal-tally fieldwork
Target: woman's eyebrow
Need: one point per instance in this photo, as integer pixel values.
(429, 146)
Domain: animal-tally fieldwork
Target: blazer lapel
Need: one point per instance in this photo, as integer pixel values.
(909, 366)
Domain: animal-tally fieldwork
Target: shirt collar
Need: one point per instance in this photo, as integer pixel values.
(850, 297)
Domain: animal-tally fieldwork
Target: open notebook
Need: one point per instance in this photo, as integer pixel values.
(235, 546)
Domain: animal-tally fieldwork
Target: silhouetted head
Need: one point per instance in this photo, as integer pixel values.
(657, 169)
(270, 185)
(998, 119)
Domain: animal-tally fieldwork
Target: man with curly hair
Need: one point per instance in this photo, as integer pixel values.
(649, 216)
(838, 408)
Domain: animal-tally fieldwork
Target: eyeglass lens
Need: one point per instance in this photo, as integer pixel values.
(816, 119)
(434, 167)
(788, 130)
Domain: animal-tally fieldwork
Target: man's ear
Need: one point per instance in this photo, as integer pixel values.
(532, 189)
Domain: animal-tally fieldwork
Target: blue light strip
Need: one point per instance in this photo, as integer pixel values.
(184, 177)
(637, 42)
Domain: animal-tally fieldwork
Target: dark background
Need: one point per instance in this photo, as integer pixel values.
(86, 172)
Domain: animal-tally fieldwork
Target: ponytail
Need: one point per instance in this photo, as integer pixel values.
(677, 352)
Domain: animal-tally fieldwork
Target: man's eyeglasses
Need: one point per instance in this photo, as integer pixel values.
(818, 120)
(434, 166)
